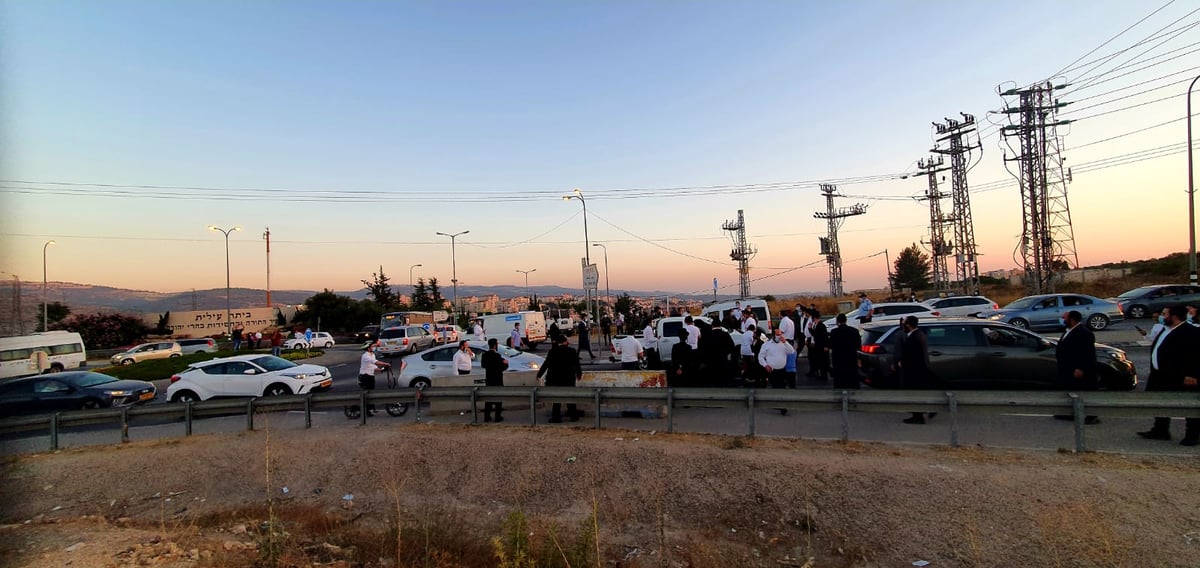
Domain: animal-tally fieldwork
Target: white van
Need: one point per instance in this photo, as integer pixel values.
(758, 307)
(499, 326)
(18, 355)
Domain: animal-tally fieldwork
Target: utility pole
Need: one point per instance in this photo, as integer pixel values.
(267, 237)
(966, 260)
(742, 252)
(1047, 238)
(829, 244)
(938, 247)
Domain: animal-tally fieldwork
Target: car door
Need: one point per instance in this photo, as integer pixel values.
(1045, 313)
(1017, 360)
(52, 395)
(1189, 295)
(242, 379)
(1082, 304)
(16, 397)
(440, 361)
(1162, 297)
(954, 354)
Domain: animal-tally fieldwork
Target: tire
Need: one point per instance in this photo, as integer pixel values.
(90, 404)
(277, 389)
(173, 355)
(412, 349)
(329, 345)
(352, 411)
(420, 383)
(1019, 323)
(1137, 312)
(397, 409)
(185, 396)
(55, 368)
(1097, 322)
(127, 361)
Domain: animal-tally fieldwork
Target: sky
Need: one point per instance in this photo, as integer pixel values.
(356, 131)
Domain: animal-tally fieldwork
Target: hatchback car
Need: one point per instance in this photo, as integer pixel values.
(404, 339)
(74, 390)
(147, 351)
(246, 375)
(444, 333)
(973, 354)
(1141, 302)
(961, 306)
(1044, 312)
(203, 345)
(888, 311)
(422, 369)
(368, 333)
(320, 339)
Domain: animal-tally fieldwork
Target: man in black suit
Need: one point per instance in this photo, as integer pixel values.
(1175, 366)
(913, 363)
(561, 369)
(818, 355)
(844, 343)
(1076, 357)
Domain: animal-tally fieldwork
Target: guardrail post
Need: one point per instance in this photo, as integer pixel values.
(845, 416)
(187, 418)
(54, 432)
(1077, 407)
(953, 419)
(308, 411)
(250, 415)
(597, 399)
(670, 411)
(124, 424)
(417, 404)
(475, 405)
(362, 406)
(750, 411)
(533, 407)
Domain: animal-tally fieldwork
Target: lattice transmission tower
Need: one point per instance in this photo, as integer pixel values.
(940, 248)
(966, 260)
(1047, 239)
(834, 218)
(742, 252)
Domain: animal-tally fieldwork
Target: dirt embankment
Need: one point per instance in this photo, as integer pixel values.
(467, 496)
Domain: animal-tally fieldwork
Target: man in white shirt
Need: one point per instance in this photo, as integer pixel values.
(367, 366)
(514, 337)
(693, 332)
(463, 358)
(630, 350)
(773, 356)
(478, 330)
(863, 315)
(748, 320)
(787, 327)
(648, 333)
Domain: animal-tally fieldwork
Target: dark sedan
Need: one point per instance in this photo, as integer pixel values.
(70, 391)
(1141, 302)
(368, 333)
(969, 354)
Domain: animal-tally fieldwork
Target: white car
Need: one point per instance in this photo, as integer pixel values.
(423, 368)
(443, 333)
(888, 311)
(320, 339)
(961, 306)
(246, 375)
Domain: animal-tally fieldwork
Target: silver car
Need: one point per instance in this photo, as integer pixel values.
(1044, 312)
(422, 369)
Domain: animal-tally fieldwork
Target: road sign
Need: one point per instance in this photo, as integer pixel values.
(426, 327)
(441, 315)
(714, 284)
(591, 276)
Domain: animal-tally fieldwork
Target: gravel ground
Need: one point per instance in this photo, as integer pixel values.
(679, 500)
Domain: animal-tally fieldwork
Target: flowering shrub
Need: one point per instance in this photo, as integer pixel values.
(106, 331)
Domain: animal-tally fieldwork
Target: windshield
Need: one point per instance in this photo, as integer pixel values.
(273, 363)
(1137, 292)
(1022, 304)
(93, 379)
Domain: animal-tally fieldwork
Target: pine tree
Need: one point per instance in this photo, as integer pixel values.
(911, 269)
(381, 291)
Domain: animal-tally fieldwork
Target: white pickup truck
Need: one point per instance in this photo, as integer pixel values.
(666, 330)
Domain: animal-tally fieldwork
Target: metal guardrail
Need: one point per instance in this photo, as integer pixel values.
(1079, 405)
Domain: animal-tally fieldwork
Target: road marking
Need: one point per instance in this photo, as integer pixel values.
(339, 365)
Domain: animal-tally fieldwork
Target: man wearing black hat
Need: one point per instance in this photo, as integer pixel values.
(561, 369)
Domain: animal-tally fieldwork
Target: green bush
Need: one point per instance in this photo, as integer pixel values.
(160, 369)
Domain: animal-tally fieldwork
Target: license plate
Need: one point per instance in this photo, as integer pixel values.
(326, 383)
(146, 396)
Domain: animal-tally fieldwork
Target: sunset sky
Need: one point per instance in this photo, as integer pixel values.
(357, 130)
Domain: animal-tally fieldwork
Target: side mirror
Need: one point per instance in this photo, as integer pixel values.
(249, 372)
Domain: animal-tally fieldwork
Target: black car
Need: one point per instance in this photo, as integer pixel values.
(368, 333)
(1141, 302)
(75, 390)
(970, 354)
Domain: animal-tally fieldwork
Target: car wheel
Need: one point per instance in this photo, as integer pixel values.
(1097, 322)
(184, 397)
(89, 404)
(1137, 312)
(420, 383)
(412, 349)
(55, 368)
(329, 345)
(1020, 323)
(127, 361)
(173, 355)
(277, 390)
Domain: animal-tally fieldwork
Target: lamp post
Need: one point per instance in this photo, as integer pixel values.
(410, 280)
(1191, 191)
(526, 273)
(228, 324)
(45, 308)
(587, 257)
(454, 269)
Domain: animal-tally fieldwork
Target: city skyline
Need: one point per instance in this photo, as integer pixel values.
(130, 134)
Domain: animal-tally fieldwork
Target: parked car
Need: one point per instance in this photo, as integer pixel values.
(404, 339)
(975, 354)
(72, 390)
(422, 369)
(888, 311)
(1141, 302)
(447, 333)
(147, 351)
(961, 306)
(202, 345)
(246, 375)
(1044, 312)
(320, 339)
(368, 333)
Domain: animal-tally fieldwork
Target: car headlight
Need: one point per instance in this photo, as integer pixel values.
(299, 377)
(1118, 355)
(995, 317)
(533, 366)
(115, 393)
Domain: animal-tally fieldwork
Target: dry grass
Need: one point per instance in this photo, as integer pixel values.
(1074, 534)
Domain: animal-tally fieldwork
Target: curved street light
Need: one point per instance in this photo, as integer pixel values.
(1191, 191)
(526, 273)
(45, 308)
(587, 257)
(454, 269)
(228, 324)
(410, 280)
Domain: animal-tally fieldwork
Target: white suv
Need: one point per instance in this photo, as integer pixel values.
(961, 306)
(246, 375)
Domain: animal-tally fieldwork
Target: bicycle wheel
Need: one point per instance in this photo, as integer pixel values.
(397, 409)
(352, 411)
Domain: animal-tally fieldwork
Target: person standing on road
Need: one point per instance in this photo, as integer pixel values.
(606, 328)
(1175, 366)
(276, 342)
(514, 337)
(683, 362)
(788, 327)
(494, 366)
(748, 320)
(693, 332)
(913, 363)
(773, 357)
(585, 341)
(237, 338)
(463, 358)
(863, 315)
(844, 343)
(1076, 358)
(818, 352)
(746, 350)
(631, 352)
(368, 365)
(561, 369)
(478, 330)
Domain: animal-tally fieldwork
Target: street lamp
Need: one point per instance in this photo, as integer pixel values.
(607, 288)
(526, 273)
(587, 257)
(1191, 191)
(410, 280)
(45, 308)
(228, 324)
(454, 270)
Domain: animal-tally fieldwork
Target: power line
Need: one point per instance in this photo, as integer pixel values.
(1111, 39)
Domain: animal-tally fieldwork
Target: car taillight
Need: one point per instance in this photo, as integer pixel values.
(405, 342)
(995, 306)
(871, 348)
(174, 378)
(936, 314)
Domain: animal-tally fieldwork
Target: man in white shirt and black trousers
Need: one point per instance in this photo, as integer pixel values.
(773, 357)
(1175, 366)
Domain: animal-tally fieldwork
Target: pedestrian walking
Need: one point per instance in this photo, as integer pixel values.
(463, 358)
(237, 338)
(1175, 366)
(367, 366)
(494, 366)
(561, 369)
(276, 342)
(630, 352)
(844, 343)
(913, 363)
(1076, 358)
(585, 340)
(514, 337)
(773, 357)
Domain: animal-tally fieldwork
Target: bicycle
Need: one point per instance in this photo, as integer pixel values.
(396, 409)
